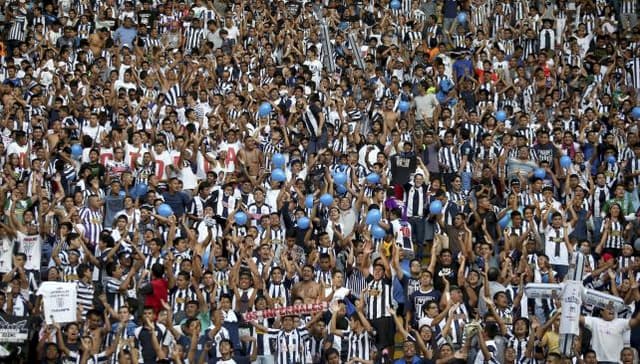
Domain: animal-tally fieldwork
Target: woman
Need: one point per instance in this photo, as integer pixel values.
(613, 232)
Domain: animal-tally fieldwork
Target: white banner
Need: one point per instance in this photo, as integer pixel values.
(60, 301)
(542, 290)
(571, 302)
(603, 300)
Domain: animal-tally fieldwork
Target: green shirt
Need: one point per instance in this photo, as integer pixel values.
(625, 206)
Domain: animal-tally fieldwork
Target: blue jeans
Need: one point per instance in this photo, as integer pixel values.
(418, 235)
(597, 225)
(417, 230)
(466, 181)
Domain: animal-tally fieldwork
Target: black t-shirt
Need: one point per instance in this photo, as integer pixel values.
(402, 166)
(450, 272)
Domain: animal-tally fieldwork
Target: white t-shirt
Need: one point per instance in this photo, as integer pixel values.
(20, 150)
(162, 161)
(60, 301)
(607, 336)
(232, 152)
(93, 131)
(31, 246)
(562, 258)
(134, 155)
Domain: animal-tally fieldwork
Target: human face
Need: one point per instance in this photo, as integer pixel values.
(409, 349)
(590, 358)
(627, 356)
(378, 272)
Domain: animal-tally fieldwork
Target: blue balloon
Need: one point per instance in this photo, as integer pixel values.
(373, 178)
(378, 232)
(565, 161)
(635, 112)
(303, 222)
(504, 221)
(326, 199)
(278, 160)
(308, 201)
(340, 178)
(435, 207)
(165, 210)
(611, 159)
(445, 85)
(540, 173)
(341, 189)
(241, 218)
(403, 106)
(396, 4)
(462, 17)
(264, 109)
(373, 216)
(76, 150)
(141, 189)
(501, 116)
(278, 175)
(441, 97)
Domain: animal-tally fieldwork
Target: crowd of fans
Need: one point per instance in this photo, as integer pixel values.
(403, 168)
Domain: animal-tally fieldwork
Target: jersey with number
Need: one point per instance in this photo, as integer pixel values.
(402, 233)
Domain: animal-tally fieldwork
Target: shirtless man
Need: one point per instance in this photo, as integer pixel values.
(390, 116)
(307, 289)
(97, 41)
(251, 157)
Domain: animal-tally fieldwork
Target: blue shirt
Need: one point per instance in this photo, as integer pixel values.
(415, 360)
(125, 36)
(178, 202)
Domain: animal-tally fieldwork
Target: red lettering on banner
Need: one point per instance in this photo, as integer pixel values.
(134, 158)
(231, 157)
(105, 157)
(286, 311)
(159, 169)
(206, 165)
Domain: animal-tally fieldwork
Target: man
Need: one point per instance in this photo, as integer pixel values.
(410, 356)
(557, 246)
(178, 200)
(144, 339)
(379, 296)
(419, 299)
(289, 341)
(415, 199)
(360, 335)
(607, 333)
(402, 164)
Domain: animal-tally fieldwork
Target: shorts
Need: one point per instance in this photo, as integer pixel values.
(385, 332)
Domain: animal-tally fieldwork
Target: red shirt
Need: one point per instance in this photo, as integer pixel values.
(160, 293)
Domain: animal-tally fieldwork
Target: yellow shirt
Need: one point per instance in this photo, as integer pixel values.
(552, 341)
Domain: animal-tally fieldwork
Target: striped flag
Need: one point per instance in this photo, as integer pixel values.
(327, 48)
(355, 48)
